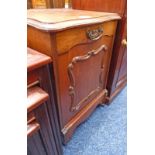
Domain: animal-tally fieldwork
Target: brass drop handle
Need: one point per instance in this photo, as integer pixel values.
(95, 34)
(124, 42)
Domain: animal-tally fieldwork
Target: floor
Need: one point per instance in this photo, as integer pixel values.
(104, 133)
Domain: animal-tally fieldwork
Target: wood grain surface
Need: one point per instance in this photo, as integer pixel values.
(36, 59)
(80, 63)
(35, 97)
(60, 19)
(116, 6)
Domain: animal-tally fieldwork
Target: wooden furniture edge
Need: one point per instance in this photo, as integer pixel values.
(36, 96)
(108, 99)
(38, 62)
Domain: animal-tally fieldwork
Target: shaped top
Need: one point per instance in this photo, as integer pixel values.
(60, 19)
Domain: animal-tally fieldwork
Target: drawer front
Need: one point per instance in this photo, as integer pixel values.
(83, 65)
(72, 37)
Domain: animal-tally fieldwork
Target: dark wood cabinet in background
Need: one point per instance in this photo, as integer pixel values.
(117, 78)
(118, 70)
(117, 6)
(42, 120)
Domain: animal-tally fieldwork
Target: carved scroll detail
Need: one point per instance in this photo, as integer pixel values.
(75, 107)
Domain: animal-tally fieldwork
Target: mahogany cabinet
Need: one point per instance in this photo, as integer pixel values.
(117, 6)
(117, 78)
(118, 70)
(80, 44)
(42, 122)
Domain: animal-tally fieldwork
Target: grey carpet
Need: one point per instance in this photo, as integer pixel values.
(104, 132)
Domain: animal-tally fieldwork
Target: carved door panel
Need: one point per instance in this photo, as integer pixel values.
(82, 75)
(85, 74)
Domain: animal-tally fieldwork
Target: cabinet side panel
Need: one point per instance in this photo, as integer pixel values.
(39, 40)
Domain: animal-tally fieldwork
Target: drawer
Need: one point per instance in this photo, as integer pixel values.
(72, 37)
